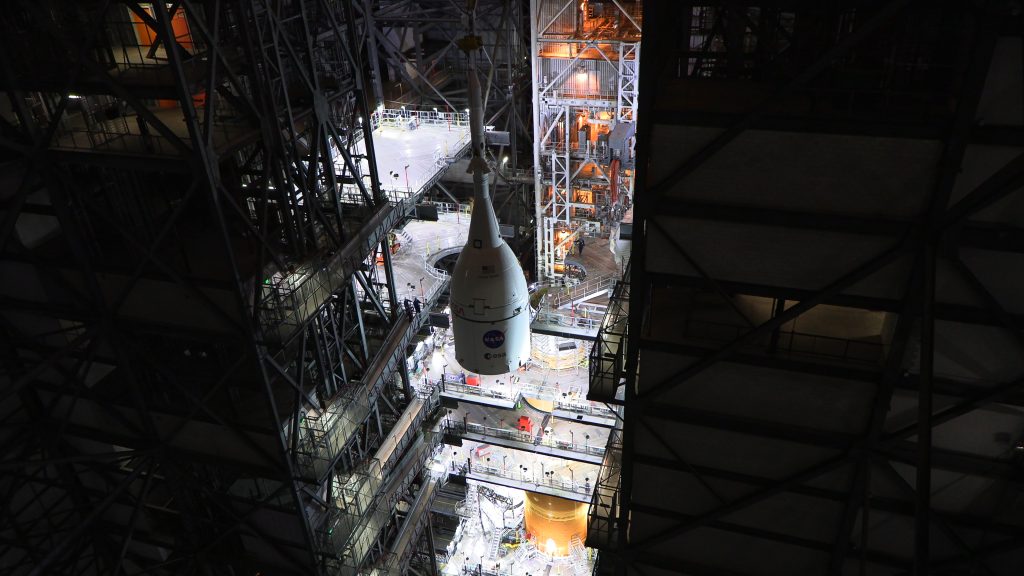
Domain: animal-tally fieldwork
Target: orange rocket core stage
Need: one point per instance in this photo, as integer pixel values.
(551, 522)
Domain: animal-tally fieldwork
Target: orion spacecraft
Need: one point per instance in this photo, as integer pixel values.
(490, 303)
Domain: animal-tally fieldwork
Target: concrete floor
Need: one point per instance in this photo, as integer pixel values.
(407, 160)
(422, 243)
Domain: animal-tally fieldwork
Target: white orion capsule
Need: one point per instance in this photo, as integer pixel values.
(489, 300)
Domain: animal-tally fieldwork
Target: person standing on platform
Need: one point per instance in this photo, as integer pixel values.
(580, 244)
(416, 304)
(147, 141)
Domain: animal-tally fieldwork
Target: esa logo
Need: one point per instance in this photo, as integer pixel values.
(494, 338)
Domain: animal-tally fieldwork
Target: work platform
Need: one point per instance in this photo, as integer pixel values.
(493, 476)
(574, 309)
(421, 245)
(576, 410)
(525, 441)
(564, 326)
(413, 149)
(593, 417)
(493, 464)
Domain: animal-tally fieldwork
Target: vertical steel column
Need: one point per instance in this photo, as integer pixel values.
(923, 486)
(430, 544)
(389, 279)
(208, 171)
(403, 373)
(538, 191)
(372, 55)
(659, 18)
(360, 326)
(360, 92)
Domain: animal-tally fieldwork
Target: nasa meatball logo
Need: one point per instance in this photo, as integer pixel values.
(494, 338)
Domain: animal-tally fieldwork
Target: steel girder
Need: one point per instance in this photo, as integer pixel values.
(933, 238)
(418, 64)
(190, 157)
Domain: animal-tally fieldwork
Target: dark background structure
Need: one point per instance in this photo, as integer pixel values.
(824, 347)
(191, 304)
(819, 344)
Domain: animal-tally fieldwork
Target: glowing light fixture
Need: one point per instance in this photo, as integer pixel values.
(554, 522)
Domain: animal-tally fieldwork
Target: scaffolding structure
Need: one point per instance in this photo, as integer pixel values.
(421, 68)
(202, 332)
(204, 349)
(586, 59)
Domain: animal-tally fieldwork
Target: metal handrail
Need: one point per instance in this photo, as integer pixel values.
(567, 319)
(539, 391)
(457, 428)
(582, 290)
(490, 431)
(585, 408)
(566, 485)
(475, 390)
(290, 299)
(451, 208)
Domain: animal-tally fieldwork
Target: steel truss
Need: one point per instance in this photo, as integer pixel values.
(420, 67)
(721, 41)
(585, 60)
(196, 311)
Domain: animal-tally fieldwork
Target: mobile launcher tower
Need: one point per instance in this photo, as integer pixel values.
(586, 59)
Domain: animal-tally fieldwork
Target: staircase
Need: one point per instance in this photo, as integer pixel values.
(578, 557)
(494, 546)
(406, 239)
(470, 507)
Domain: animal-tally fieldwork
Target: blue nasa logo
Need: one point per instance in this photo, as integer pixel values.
(494, 338)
